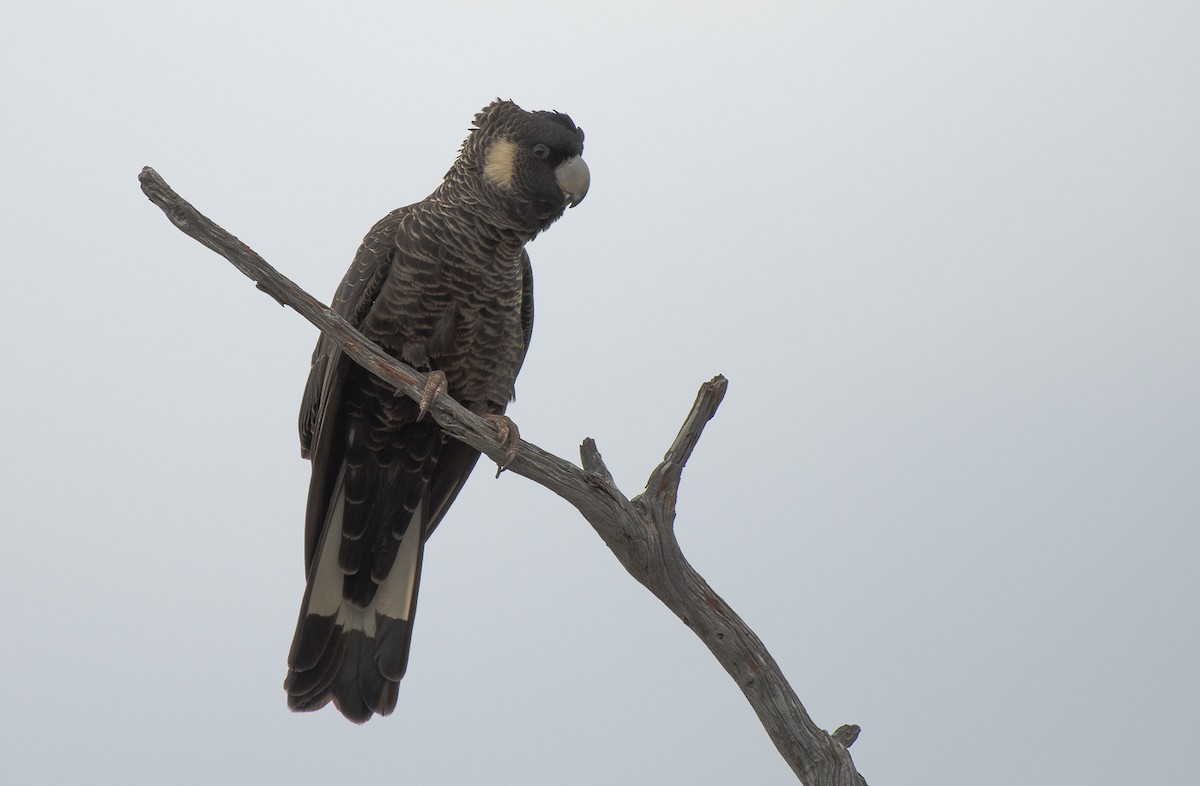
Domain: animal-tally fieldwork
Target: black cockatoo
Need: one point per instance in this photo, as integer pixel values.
(445, 286)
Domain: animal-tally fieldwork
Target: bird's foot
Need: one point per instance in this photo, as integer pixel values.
(435, 386)
(510, 439)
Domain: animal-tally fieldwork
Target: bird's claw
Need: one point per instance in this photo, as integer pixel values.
(510, 439)
(435, 386)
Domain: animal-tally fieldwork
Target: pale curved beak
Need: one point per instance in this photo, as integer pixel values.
(573, 178)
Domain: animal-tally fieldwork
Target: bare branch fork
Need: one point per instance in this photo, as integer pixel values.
(639, 531)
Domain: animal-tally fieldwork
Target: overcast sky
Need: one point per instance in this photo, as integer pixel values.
(948, 255)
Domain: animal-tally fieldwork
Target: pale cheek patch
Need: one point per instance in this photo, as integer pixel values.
(498, 163)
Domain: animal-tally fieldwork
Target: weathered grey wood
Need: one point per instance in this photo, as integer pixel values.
(847, 734)
(639, 531)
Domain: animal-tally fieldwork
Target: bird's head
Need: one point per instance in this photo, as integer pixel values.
(526, 167)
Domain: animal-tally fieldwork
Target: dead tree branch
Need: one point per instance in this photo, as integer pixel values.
(639, 531)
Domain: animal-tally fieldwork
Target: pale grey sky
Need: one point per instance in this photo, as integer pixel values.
(948, 255)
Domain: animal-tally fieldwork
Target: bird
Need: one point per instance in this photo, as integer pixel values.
(444, 285)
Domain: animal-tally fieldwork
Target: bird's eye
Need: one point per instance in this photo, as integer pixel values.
(540, 150)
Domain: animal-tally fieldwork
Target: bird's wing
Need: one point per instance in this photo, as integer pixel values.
(369, 483)
(353, 299)
(326, 380)
(526, 303)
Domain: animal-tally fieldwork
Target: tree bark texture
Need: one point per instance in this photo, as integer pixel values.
(639, 531)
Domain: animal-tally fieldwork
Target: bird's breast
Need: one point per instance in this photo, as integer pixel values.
(461, 316)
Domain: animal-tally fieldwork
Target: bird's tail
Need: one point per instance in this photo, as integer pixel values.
(349, 652)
